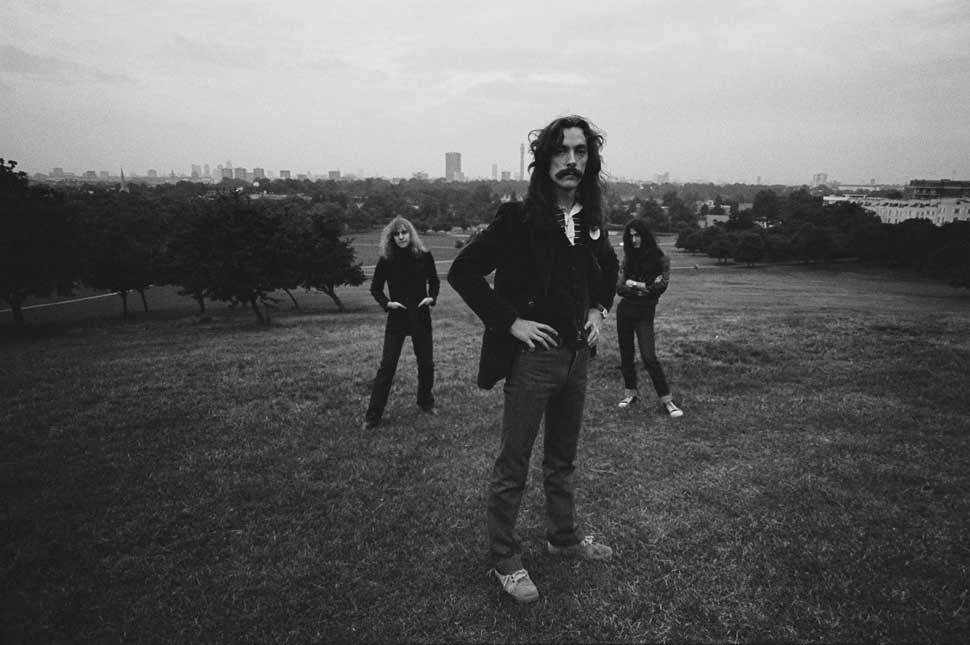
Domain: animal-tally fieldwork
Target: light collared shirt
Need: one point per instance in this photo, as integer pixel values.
(569, 227)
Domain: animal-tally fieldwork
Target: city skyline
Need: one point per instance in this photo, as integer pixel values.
(707, 91)
(254, 173)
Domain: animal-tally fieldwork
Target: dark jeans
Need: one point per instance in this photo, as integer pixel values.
(423, 351)
(542, 382)
(635, 318)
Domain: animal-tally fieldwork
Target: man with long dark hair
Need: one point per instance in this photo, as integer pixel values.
(555, 280)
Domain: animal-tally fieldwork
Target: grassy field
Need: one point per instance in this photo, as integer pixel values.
(177, 479)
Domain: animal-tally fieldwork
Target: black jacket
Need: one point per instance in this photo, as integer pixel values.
(524, 253)
(410, 279)
(653, 271)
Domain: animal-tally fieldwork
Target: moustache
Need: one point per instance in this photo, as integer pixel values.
(569, 171)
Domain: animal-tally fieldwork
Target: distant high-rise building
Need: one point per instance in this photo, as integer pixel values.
(758, 182)
(284, 174)
(196, 172)
(453, 166)
(57, 173)
(259, 173)
(152, 173)
(494, 171)
(103, 174)
(333, 175)
(820, 179)
(521, 162)
(239, 173)
(90, 174)
(225, 173)
(205, 171)
(506, 175)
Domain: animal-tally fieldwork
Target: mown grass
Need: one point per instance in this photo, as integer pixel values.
(177, 479)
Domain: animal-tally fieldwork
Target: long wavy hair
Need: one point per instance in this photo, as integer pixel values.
(544, 144)
(649, 251)
(389, 248)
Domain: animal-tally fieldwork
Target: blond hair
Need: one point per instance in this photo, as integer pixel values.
(388, 247)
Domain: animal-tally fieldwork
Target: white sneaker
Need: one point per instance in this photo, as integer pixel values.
(671, 408)
(627, 401)
(518, 585)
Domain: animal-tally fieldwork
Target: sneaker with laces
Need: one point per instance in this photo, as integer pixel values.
(518, 585)
(627, 401)
(587, 549)
(671, 408)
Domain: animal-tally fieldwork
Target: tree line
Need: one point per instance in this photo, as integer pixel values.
(221, 246)
(800, 227)
(241, 242)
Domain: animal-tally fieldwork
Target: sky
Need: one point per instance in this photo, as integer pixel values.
(708, 90)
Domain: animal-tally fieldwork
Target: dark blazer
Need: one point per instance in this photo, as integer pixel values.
(521, 251)
(410, 279)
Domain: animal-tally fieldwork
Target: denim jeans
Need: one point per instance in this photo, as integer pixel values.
(635, 318)
(542, 382)
(423, 352)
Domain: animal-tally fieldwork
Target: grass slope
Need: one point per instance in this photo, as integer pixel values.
(182, 480)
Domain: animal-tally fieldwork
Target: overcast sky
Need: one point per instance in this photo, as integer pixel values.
(713, 90)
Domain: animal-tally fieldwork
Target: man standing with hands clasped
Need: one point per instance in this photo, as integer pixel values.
(555, 279)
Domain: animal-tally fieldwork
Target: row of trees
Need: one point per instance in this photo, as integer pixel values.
(223, 246)
(799, 227)
(222, 243)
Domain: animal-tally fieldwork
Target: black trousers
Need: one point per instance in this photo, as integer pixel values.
(423, 352)
(636, 319)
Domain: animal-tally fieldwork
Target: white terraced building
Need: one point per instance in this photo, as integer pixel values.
(893, 211)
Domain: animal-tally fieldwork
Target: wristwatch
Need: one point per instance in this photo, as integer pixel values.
(603, 311)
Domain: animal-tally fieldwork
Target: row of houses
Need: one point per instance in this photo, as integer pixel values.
(893, 211)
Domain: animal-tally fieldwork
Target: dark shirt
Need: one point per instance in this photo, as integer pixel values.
(410, 279)
(646, 268)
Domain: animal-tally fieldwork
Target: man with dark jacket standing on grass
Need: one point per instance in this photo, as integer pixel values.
(555, 278)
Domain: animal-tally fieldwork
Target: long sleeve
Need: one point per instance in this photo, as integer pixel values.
(476, 260)
(609, 265)
(377, 283)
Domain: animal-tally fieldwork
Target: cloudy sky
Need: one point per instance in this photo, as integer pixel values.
(713, 90)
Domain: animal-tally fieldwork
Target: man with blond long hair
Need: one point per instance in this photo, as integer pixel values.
(555, 278)
(407, 268)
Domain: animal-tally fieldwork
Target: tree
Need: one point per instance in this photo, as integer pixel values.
(694, 241)
(766, 207)
(249, 254)
(750, 249)
(123, 242)
(872, 242)
(740, 221)
(911, 241)
(682, 239)
(681, 216)
(654, 214)
(37, 252)
(802, 206)
(812, 243)
(721, 248)
(326, 261)
(951, 262)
